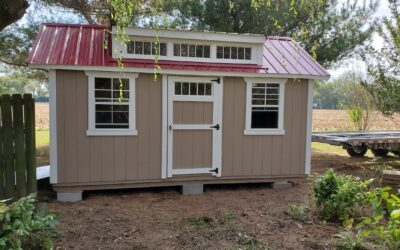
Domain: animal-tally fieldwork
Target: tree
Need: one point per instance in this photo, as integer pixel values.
(384, 64)
(11, 11)
(329, 29)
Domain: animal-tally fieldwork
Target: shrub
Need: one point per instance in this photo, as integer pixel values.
(383, 226)
(350, 241)
(338, 197)
(300, 213)
(25, 227)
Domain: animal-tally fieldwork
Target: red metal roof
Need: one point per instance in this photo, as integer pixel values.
(83, 45)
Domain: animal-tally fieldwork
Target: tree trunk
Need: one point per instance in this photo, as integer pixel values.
(11, 11)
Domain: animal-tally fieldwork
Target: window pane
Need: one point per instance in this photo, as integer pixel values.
(163, 49)
(117, 84)
(177, 49)
(247, 54)
(119, 108)
(264, 119)
(139, 48)
(117, 95)
(220, 52)
(199, 51)
(208, 88)
(102, 107)
(102, 83)
(120, 117)
(178, 88)
(206, 51)
(233, 52)
(184, 50)
(257, 101)
(103, 95)
(193, 88)
(201, 89)
(185, 88)
(241, 53)
(192, 50)
(103, 117)
(147, 48)
(130, 47)
(227, 52)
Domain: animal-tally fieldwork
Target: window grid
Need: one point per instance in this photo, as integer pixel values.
(233, 52)
(193, 89)
(265, 105)
(111, 111)
(191, 50)
(146, 48)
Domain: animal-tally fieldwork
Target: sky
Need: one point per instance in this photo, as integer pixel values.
(354, 64)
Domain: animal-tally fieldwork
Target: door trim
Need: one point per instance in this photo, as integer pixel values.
(168, 92)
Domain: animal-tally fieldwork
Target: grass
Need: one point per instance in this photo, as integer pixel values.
(42, 138)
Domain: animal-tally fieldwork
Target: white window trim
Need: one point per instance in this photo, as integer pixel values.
(278, 131)
(92, 131)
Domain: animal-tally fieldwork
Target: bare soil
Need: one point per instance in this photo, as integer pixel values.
(224, 217)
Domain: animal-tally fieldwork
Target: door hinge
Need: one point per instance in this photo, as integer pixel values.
(218, 80)
(214, 170)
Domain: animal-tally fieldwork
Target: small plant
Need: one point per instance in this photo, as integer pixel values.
(338, 197)
(250, 243)
(350, 241)
(25, 227)
(300, 213)
(383, 226)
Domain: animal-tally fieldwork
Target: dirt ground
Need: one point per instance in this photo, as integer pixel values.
(224, 217)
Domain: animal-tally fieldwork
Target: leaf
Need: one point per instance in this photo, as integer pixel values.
(395, 213)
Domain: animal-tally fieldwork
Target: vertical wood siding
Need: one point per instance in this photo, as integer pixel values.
(90, 159)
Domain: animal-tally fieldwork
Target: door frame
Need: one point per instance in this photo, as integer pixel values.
(167, 133)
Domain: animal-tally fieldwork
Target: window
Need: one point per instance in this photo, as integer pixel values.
(146, 48)
(264, 106)
(193, 88)
(191, 50)
(111, 104)
(235, 53)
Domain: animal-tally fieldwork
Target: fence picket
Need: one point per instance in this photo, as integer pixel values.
(30, 142)
(19, 145)
(8, 148)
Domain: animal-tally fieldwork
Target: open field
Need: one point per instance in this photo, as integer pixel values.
(337, 120)
(42, 115)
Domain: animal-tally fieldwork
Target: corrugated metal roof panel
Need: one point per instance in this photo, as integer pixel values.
(83, 45)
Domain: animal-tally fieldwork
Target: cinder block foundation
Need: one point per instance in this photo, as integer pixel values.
(69, 197)
(192, 189)
(281, 185)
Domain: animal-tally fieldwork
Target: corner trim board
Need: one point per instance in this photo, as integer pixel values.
(53, 126)
(309, 127)
(164, 130)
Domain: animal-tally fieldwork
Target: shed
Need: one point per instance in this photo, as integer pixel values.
(224, 108)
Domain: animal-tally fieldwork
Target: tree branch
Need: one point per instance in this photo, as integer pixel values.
(11, 11)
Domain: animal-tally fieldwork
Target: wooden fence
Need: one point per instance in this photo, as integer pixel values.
(17, 146)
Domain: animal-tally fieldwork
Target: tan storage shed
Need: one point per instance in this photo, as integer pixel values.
(224, 108)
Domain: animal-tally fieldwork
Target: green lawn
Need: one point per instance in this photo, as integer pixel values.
(42, 137)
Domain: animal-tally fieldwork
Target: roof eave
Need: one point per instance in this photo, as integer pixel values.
(176, 72)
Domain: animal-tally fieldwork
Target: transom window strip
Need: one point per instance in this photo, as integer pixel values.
(191, 50)
(265, 105)
(110, 110)
(146, 48)
(193, 88)
(233, 52)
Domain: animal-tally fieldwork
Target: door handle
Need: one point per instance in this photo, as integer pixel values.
(217, 127)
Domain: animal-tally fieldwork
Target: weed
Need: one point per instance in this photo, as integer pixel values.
(350, 241)
(249, 242)
(226, 216)
(300, 213)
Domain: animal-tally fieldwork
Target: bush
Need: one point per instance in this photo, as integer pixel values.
(338, 197)
(300, 213)
(383, 226)
(24, 227)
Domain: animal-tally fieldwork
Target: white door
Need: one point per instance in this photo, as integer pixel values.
(194, 125)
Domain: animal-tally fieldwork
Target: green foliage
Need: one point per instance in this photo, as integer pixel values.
(383, 226)
(329, 29)
(24, 227)
(350, 241)
(338, 197)
(384, 64)
(300, 213)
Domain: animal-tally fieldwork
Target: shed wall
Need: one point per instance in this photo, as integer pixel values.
(87, 160)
